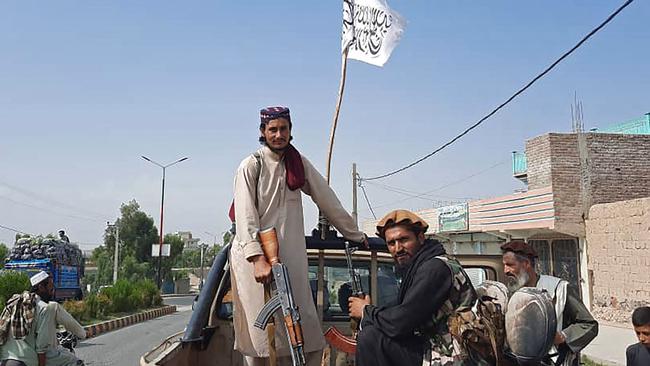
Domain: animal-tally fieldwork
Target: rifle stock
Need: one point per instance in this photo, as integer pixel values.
(270, 245)
(340, 342)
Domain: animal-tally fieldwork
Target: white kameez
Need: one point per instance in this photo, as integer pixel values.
(272, 204)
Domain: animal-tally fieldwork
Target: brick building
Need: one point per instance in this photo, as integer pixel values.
(565, 174)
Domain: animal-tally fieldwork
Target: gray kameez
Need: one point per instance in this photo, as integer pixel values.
(279, 207)
(36, 341)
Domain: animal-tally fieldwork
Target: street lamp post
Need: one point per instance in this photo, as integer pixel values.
(214, 242)
(203, 247)
(162, 210)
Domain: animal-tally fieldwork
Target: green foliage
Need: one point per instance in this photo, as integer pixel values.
(588, 362)
(12, 282)
(150, 294)
(92, 306)
(4, 251)
(76, 308)
(133, 271)
(127, 296)
(120, 295)
(104, 262)
(176, 249)
(137, 233)
(189, 258)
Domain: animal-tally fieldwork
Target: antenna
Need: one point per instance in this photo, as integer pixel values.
(577, 117)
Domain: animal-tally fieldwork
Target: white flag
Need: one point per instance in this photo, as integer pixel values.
(371, 30)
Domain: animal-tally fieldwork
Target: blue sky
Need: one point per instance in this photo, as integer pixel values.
(88, 87)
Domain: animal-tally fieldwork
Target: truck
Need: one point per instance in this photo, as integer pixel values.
(63, 261)
(208, 338)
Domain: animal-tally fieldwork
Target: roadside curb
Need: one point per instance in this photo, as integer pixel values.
(178, 295)
(109, 325)
(600, 360)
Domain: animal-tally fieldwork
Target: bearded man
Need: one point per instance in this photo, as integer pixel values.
(414, 331)
(267, 195)
(576, 327)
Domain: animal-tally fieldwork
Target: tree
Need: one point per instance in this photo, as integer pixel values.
(175, 251)
(132, 271)
(104, 261)
(4, 251)
(137, 233)
(189, 258)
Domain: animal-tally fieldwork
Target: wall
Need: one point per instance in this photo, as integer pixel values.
(618, 249)
(618, 168)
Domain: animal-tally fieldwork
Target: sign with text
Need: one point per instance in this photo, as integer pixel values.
(155, 250)
(453, 218)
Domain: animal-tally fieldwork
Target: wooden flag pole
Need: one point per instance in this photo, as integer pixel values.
(344, 65)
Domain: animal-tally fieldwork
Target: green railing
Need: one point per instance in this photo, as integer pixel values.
(639, 126)
(519, 163)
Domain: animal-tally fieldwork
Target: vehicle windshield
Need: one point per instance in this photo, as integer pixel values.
(337, 286)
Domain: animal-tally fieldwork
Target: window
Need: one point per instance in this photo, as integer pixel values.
(476, 275)
(565, 262)
(543, 265)
(337, 286)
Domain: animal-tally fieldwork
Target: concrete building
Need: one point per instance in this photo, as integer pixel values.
(189, 242)
(565, 174)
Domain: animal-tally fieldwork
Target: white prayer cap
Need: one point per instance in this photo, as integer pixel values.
(38, 278)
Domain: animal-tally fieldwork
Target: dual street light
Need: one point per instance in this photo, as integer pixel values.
(162, 209)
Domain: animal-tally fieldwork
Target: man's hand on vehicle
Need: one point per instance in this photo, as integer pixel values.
(356, 305)
(263, 272)
(365, 242)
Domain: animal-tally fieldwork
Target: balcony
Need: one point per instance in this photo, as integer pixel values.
(638, 126)
(520, 166)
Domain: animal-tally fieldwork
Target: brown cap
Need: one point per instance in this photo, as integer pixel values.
(401, 217)
(519, 247)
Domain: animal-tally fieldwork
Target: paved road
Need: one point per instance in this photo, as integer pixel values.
(124, 347)
(181, 302)
(610, 344)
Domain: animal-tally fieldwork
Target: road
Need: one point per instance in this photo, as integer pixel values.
(125, 346)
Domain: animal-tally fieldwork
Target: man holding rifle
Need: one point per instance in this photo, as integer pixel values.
(267, 195)
(414, 331)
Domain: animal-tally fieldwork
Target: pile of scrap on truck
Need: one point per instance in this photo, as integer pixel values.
(64, 261)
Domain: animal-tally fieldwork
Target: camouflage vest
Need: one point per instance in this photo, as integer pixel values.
(461, 297)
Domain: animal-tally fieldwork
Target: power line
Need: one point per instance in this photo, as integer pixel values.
(444, 186)
(51, 201)
(413, 194)
(12, 229)
(520, 91)
(48, 210)
(363, 189)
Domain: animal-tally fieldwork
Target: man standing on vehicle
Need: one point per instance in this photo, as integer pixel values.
(63, 237)
(576, 328)
(414, 331)
(267, 194)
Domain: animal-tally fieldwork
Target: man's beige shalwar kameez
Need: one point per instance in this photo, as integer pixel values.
(270, 203)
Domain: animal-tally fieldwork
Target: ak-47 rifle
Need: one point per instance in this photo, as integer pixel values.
(335, 338)
(281, 299)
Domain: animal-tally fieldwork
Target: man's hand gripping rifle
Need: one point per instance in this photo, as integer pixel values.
(335, 338)
(281, 299)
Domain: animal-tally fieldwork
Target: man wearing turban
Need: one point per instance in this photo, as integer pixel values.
(268, 184)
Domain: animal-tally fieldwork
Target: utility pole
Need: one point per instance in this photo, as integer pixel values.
(355, 215)
(117, 250)
(202, 249)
